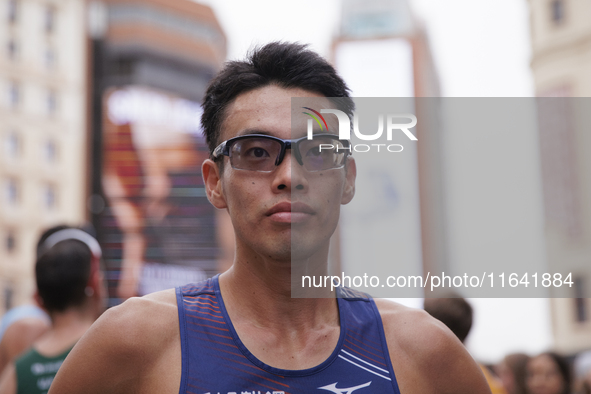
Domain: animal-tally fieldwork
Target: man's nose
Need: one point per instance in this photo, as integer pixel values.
(289, 174)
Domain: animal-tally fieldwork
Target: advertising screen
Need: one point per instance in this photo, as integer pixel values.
(160, 230)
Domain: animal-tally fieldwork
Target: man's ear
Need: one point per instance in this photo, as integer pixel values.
(350, 175)
(213, 184)
(38, 299)
(95, 280)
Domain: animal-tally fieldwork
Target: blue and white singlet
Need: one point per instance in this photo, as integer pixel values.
(214, 360)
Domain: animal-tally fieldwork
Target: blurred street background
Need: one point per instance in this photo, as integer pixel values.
(99, 123)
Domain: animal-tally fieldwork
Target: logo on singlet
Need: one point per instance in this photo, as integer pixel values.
(333, 388)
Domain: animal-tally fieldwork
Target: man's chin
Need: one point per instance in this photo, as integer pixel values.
(296, 246)
(293, 254)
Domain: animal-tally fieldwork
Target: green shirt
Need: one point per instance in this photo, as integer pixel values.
(35, 372)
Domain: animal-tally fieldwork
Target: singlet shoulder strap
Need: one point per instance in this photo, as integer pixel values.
(352, 295)
(197, 295)
(196, 289)
(365, 341)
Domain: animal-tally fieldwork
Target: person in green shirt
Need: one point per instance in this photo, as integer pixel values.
(70, 289)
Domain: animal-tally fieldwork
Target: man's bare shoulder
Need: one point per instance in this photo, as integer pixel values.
(123, 348)
(426, 354)
(153, 317)
(413, 330)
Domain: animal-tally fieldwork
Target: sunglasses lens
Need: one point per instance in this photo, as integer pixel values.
(255, 154)
(322, 153)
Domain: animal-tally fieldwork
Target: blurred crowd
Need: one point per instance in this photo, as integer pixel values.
(35, 339)
(70, 295)
(518, 373)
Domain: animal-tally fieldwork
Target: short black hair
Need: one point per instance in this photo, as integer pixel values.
(62, 272)
(455, 313)
(288, 65)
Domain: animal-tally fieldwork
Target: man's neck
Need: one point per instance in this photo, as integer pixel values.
(280, 331)
(66, 328)
(258, 290)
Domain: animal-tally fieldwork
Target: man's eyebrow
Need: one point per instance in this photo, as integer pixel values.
(252, 131)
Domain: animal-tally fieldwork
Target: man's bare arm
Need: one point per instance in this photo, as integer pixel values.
(132, 348)
(19, 337)
(8, 380)
(426, 356)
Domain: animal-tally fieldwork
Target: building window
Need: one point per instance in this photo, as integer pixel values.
(557, 11)
(12, 10)
(12, 192)
(8, 295)
(49, 197)
(12, 145)
(50, 151)
(581, 313)
(13, 94)
(11, 49)
(49, 18)
(10, 242)
(49, 58)
(51, 102)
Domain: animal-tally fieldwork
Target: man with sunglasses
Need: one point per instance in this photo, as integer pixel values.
(242, 332)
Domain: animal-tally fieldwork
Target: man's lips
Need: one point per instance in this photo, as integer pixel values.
(287, 212)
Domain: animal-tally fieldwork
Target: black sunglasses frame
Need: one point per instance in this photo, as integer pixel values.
(224, 148)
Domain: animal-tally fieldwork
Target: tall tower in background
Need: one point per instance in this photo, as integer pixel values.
(382, 51)
(561, 47)
(561, 60)
(43, 138)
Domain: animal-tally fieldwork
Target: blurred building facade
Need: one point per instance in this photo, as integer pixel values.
(561, 47)
(382, 50)
(43, 115)
(561, 60)
(58, 61)
(153, 60)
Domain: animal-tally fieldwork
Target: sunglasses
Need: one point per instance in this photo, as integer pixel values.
(263, 153)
